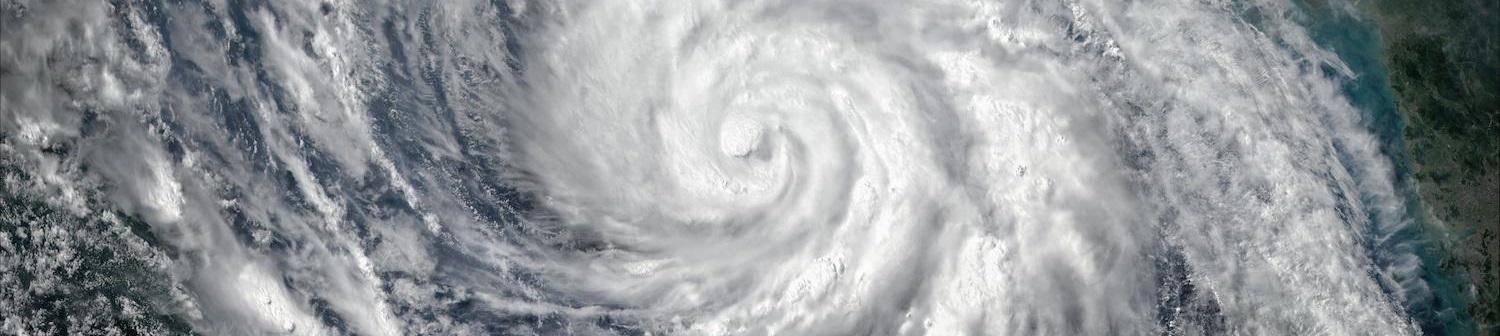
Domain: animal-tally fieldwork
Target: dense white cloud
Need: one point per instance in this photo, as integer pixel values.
(719, 167)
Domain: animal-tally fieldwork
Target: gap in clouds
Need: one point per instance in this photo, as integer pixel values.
(750, 167)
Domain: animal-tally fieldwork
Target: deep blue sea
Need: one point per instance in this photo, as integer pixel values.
(704, 168)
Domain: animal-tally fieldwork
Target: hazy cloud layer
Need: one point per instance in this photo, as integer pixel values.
(717, 167)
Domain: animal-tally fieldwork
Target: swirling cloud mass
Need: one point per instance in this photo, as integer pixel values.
(943, 167)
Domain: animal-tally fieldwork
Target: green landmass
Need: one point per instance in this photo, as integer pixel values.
(1446, 79)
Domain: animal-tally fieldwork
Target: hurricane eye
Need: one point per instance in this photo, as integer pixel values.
(740, 136)
(747, 167)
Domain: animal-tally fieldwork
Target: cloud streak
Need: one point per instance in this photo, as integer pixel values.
(718, 167)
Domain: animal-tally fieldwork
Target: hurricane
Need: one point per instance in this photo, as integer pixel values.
(656, 167)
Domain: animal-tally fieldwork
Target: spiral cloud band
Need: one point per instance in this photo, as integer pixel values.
(942, 167)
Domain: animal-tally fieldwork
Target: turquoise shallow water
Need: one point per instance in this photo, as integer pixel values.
(585, 168)
(1433, 297)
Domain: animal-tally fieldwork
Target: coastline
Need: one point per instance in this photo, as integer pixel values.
(1441, 63)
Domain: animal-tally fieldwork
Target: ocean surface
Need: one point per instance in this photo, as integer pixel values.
(708, 168)
(1411, 251)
